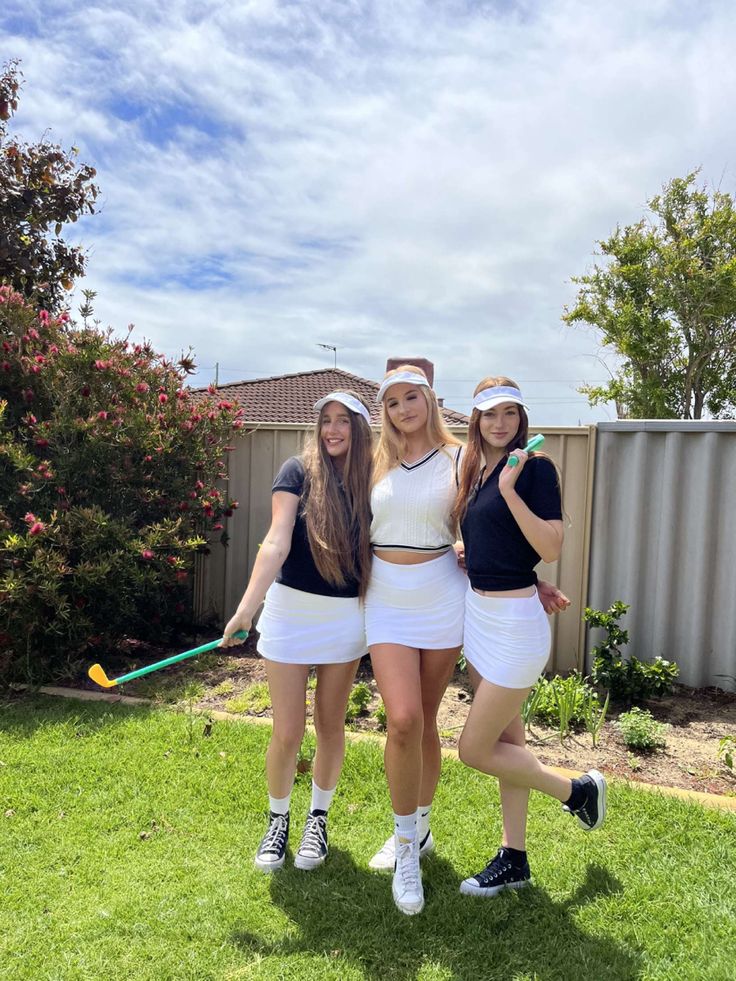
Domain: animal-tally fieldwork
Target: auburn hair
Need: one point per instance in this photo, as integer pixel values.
(473, 456)
(337, 508)
(392, 445)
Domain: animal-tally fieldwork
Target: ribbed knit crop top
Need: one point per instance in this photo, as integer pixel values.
(411, 505)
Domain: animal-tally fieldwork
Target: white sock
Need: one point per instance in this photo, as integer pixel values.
(321, 799)
(423, 813)
(405, 825)
(279, 805)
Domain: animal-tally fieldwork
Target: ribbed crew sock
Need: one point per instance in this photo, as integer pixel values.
(279, 805)
(321, 799)
(405, 826)
(423, 814)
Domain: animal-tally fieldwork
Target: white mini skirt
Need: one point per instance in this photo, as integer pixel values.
(506, 640)
(418, 606)
(304, 628)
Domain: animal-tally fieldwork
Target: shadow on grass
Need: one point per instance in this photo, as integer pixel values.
(346, 913)
(22, 715)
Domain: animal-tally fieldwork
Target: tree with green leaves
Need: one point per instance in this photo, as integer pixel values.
(42, 189)
(665, 303)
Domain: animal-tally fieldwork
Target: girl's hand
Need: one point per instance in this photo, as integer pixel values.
(238, 622)
(460, 554)
(509, 475)
(551, 598)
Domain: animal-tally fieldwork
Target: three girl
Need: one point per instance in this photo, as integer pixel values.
(419, 610)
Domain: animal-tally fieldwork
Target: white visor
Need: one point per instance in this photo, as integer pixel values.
(405, 377)
(349, 401)
(491, 397)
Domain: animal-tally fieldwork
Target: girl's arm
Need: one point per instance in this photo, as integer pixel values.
(544, 536)
(271, 556)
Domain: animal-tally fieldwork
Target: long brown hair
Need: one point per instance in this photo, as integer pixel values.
(392, 445)
(338, 506)
(473, 456)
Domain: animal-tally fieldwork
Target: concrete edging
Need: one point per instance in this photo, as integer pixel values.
(692, 796)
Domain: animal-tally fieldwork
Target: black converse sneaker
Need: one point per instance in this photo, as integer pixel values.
(590, 809)
(313, 848)
(272, 849)
(499, 874)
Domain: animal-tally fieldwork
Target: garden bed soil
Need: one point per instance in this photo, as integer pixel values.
(696, 719)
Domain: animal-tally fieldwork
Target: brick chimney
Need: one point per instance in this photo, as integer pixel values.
(426, 366)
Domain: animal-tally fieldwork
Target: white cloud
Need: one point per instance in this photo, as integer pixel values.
(421, 178)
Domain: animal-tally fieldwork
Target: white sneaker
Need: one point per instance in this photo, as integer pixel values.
(407, 885)
(385, 858)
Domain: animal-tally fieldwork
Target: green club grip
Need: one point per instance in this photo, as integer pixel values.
(534, 443)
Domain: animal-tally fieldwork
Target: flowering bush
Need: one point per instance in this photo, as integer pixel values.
(110, 476)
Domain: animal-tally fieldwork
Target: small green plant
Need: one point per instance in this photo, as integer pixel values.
(634, 762)
(255, 699)
(629, 680)
(192, 693)
(640, 730)
(726, 751)
(225, 687)
(559, 702)
(594, 716)
(305, 757)
(380, 715)
(358, 701)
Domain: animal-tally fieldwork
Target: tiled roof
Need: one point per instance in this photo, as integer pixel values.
(290, 398)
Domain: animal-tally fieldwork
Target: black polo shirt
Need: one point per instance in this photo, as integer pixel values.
(299, 570)
(497, 555)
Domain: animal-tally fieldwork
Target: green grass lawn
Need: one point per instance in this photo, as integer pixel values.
(126, 847)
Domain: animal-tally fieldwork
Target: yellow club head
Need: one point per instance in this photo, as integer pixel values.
(97, 674)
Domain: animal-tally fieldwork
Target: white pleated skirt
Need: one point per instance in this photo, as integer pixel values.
(506, 640)
(304, 628)
(418, 606)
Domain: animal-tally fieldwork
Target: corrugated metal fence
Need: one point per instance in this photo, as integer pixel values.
(221, 577)
(664, 540)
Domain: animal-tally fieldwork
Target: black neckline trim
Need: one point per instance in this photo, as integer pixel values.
(425, 459)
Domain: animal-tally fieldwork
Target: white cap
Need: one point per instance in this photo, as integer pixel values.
(406, 377)
(491, 397)
(349, 401)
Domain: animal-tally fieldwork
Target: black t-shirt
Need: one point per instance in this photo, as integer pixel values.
(497, 555)
(299, 570)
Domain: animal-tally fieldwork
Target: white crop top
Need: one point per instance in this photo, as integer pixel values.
(411, 505)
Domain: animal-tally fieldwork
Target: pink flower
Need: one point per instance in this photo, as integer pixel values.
(29, 518)
(171, 559)
(163, 399)
(217, 527)
(43, 316)
(147, 554)
(141, 387)
(33, 333)
(42, 443)
(102, 415)
(181, 576)
(37, 528)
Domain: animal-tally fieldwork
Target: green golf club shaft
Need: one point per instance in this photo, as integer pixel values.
(241, 635)
(534, 443)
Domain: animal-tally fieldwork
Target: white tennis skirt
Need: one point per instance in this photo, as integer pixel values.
(418, 606)
(506, 640)
(304, 628)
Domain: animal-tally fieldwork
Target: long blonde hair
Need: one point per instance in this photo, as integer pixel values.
(473, 456)
(337, 511)
(392, 446)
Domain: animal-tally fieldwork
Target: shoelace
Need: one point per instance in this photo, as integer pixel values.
(275, 837)
(407, 867)
(494, 870)
(313, 839)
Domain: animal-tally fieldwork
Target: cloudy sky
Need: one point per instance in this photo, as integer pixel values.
(414, 179)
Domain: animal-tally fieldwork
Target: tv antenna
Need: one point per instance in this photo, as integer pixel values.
(330, 347)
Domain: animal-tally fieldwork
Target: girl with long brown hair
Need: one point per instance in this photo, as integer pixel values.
(318, 552)
(511, 518)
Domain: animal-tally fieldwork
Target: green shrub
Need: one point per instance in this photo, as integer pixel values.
(559, 702)
(629, 680)
(726, 751)
(358, 701)
(110, 479)
(639, 730)
(380, 715)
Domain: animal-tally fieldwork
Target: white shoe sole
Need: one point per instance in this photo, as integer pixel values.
(600, 782)
(269, 866)
(306, 863)
(410, 909)
(384, 861)
(468, 887)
